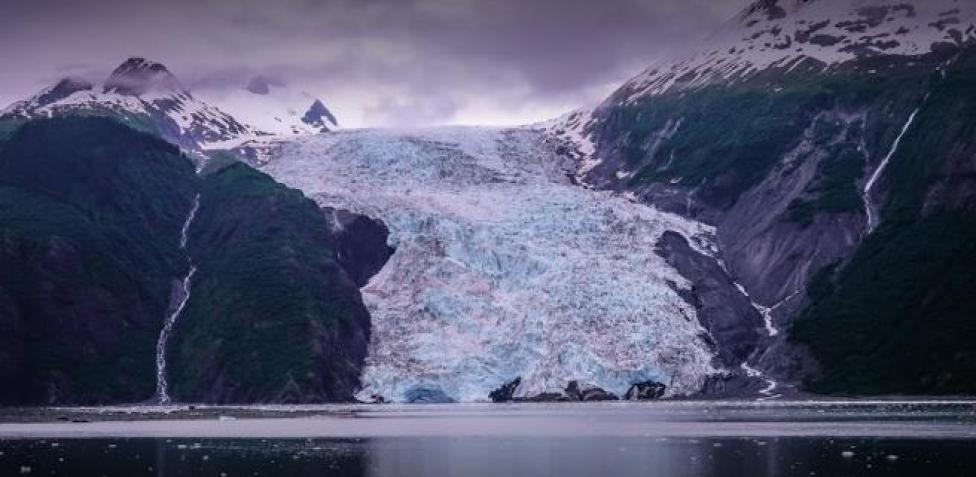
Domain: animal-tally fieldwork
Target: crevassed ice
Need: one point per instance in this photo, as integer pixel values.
(503, 269)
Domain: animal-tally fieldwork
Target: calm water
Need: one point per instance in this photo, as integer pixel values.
(472, 457)
(671, 440)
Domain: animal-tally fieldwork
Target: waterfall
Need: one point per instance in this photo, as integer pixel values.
(771, 384)
(771, 331)
(182, 297)
(869, 207)
(766, 312)
(162, 394)
(188, 221)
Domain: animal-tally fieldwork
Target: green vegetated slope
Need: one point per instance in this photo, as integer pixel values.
(727, 138)
(897, 316)
(90, 217)
(901, 316)
(91, 213)
(273, 317)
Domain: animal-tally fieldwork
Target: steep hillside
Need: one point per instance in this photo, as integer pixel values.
(91, 214)
(107, 234)
(273, 316)
(799, 130)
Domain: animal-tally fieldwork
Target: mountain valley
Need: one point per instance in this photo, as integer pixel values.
(788, 209)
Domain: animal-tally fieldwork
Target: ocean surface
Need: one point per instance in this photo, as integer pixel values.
(926, 439)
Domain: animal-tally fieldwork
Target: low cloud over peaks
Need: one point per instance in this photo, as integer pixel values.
(376, 62)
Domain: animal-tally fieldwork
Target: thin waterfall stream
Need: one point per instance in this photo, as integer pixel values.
(869, 207)
(771, 331)
(181, 297)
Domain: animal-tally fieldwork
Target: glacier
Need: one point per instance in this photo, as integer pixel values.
(503, 267)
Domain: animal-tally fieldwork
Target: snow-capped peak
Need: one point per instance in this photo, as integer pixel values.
(817, 35)
(145, 92)
(318, 116)
(250, 117)
(138, 76)
(274, 106)
(784, 33)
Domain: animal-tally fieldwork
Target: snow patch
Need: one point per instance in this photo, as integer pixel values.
(827, 32)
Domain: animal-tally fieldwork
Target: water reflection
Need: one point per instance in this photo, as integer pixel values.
(490, 456)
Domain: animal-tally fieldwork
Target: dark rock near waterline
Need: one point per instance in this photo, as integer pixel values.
(506, 393)
(575, 393)
(645, 391)
(547, 397)
(361, 244)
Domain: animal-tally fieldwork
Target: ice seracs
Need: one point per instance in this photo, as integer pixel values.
(503, 268)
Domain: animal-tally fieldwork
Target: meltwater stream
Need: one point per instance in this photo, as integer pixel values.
(181, 298)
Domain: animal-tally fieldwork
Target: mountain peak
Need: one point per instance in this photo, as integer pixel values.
(785, 34)
(137, 76)
(320, 117)
(66, 87)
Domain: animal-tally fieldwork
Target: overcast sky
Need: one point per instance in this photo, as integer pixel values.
(374, 62)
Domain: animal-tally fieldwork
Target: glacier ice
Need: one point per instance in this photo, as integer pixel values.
(503, 268)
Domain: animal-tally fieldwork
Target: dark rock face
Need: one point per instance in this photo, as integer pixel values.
(274, 316)
(361, 245)
(90, 219)
(319, 116)
(505, 393)
(723, 310)
(575, 393)
(645, 391)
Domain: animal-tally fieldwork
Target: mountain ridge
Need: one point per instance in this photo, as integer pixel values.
(148, 96)
(792, 130)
